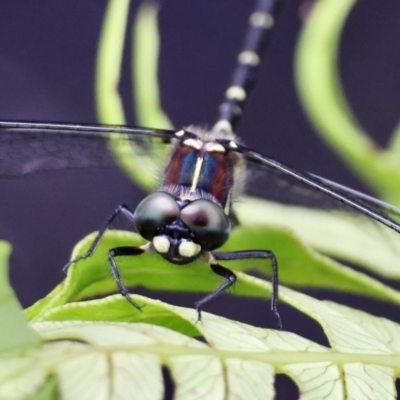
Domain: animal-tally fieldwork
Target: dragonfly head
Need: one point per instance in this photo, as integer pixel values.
(181, 231)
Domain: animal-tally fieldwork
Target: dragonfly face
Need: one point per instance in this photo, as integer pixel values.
(181, 230)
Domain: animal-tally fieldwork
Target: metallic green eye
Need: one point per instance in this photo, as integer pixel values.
(154, 212)
(208, 222)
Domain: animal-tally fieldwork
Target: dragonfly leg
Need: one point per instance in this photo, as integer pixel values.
(119, 252)
(239, 255)
(224, 272)
(120, 209)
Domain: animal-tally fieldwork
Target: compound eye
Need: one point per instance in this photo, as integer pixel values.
(208, 222)
(154, 212)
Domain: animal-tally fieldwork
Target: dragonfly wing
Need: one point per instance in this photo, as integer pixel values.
(31, 147)
(333, 219)
(385, 208)
(288, 185)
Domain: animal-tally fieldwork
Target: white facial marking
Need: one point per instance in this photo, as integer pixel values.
(236, 92)
(189, 249)
(211, 146)
(261, 20)
(196, 144)
(180, 133)
(223, 126)
(161, 244)
(249, 58)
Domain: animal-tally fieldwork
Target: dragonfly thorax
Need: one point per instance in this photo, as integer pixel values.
(204, 161)
(181, 231)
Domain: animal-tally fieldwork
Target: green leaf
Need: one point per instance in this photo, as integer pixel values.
(298, 265)
(108, 73)
(49, 391)
(356, 240)
(109, 103)
(92, 277)
(15, 334)
(106, 358)
(108, 64)
(115, 308)
(145, 52)
(323, 99)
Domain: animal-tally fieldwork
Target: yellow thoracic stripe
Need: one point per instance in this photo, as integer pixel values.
(196, 174)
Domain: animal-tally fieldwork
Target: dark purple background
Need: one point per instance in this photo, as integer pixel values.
(47, 57)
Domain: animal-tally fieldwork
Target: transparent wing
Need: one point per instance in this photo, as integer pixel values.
(291, 186)
(363, 198)
(31, 147)
(335, 219)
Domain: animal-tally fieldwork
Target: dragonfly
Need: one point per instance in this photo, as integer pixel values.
(193, 213)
